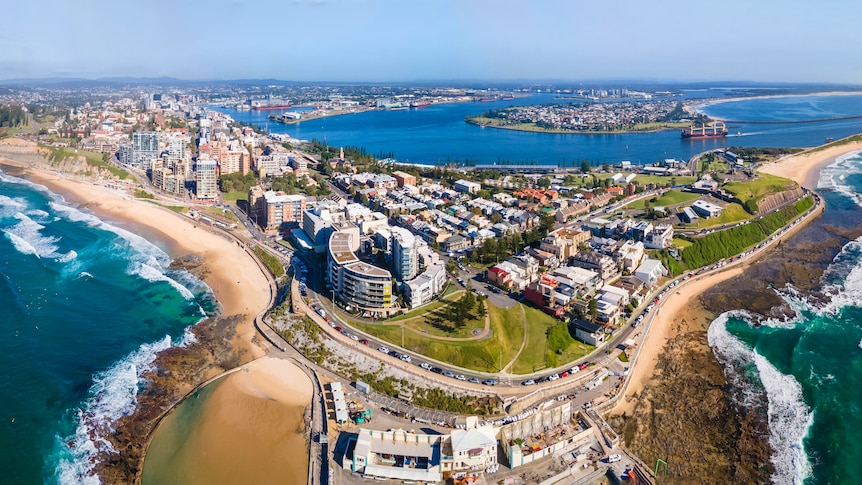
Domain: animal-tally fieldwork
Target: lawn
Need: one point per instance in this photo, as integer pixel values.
(536, 356)
(758, 188)
(681, 243)
(235, 195)
(669, 198)
(480, 355)
(434, 305)
(732, 213)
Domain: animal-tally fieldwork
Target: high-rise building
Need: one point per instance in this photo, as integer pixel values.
(405, 257)
(356, 283)
(206, 180)
(176, 148)
(276, 208)
(145, 147)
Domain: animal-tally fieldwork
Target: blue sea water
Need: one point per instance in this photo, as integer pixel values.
(811, 367)
(438, 133)
(85, 307)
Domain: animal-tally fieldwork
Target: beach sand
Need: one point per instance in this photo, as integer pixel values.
(679, 314)
(804, 167)
(695, 106)
(248, 429)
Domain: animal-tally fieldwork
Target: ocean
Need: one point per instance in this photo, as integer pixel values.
(438, 133)
(809, 368)
(86, 306)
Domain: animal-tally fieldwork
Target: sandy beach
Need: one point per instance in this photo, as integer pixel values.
(248, 429)
(804, 167)
(696, 106)
(678, 313)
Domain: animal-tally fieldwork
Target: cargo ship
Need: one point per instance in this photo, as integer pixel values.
(270, 107)
(420, 104)
(715, 130)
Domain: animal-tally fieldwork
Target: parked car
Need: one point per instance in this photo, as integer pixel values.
(565, 373)
(405, 357)
(363, 341)
(338, 329)
(425, 365)
(449, 373)
(528, 382)
(489, 382)
(383, 349)
(461, 377)
(474, 380)
(436, 370)
(553, 377)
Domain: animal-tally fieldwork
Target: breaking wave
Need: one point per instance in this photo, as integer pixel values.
(788, 416)
(112, 395)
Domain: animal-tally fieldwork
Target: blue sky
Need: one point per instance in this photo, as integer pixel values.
(409, 40)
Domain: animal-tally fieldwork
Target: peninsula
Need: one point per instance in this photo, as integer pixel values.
(591, 118)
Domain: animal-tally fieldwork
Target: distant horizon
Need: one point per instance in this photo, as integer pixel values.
(527, 82)
(386, 41)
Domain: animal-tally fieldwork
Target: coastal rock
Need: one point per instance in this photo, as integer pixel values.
(178, 370)
(686, 417)
(187, 262)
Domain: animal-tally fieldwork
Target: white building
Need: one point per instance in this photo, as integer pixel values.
(405, 254)
(705, 209)
(145, 147)
(467, 187)
(650, 271)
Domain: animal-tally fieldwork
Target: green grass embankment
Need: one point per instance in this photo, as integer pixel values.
(271, 262)
(724, 244)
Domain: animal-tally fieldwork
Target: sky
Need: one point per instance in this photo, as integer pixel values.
(424, 40)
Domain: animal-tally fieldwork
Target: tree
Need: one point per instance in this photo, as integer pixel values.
(480, 307)
(452, 267)
(585, 166)
(592, 307)
(544, 182)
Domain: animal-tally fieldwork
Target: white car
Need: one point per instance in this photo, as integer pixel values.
(405, 357)
(383, 349)
(553, 377)
(425, 365)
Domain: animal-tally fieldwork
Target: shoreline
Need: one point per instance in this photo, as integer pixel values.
(247, 428)
(224, 341)
(697, 106)
(677, 340)
(804, 167)
(569, 132)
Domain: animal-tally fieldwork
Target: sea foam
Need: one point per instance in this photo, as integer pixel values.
(112, 396)
(788, 416)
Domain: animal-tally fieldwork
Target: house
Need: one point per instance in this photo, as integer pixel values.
(661, 237)
(499, 277)
(455, 243)
(589, 332)
(650, 271)
(601, 264)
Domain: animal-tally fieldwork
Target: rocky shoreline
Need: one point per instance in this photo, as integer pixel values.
(688, 414)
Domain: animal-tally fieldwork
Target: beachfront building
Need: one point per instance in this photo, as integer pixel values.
(206, 180)
(650, 271)
(355, 283)
(413, 457)
(317, 225)
(145, 147)
(276, 208)
(559, 431)
(589, 332)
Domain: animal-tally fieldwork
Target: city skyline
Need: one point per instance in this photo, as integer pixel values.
(388, 41)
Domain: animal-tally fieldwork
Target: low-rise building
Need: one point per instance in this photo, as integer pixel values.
(588, 332)
(467, 187)
(705, 209)
(601, 264)
(661, 237)
(650, 271)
